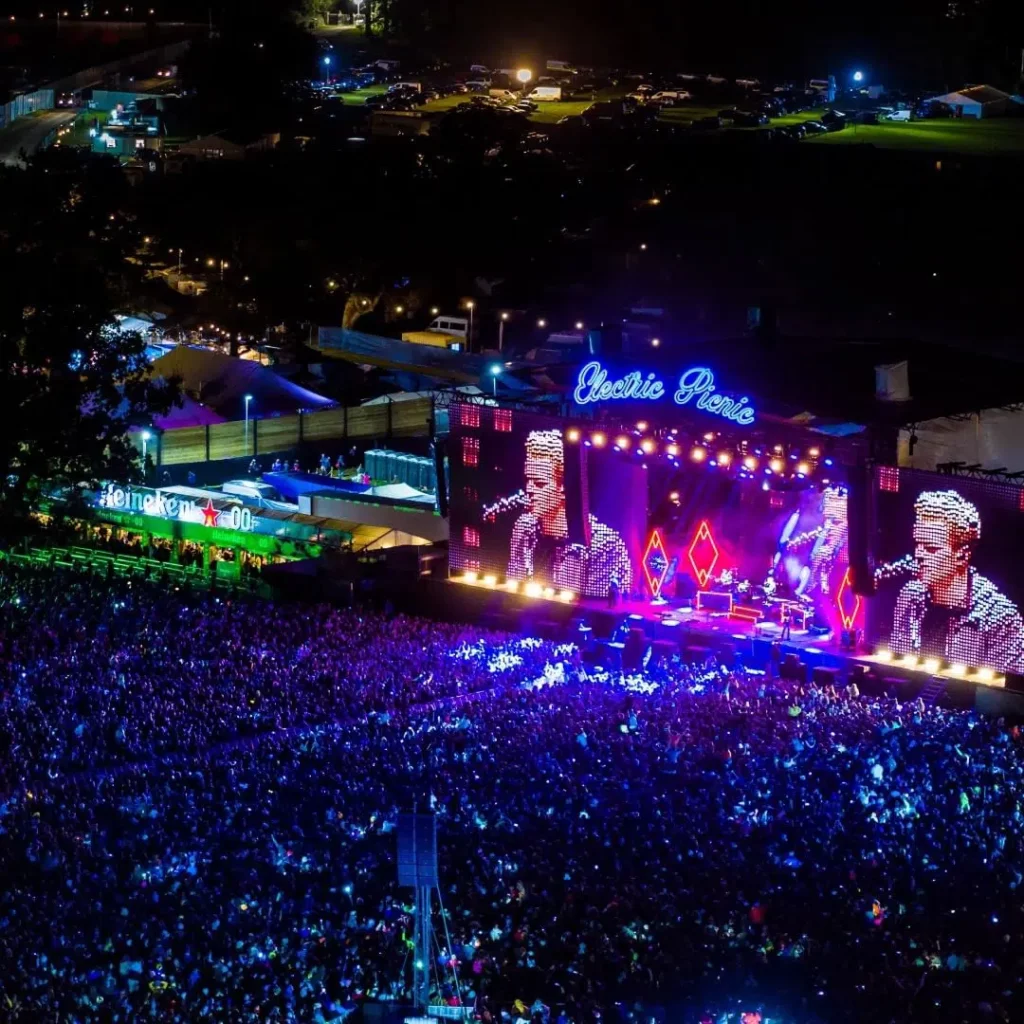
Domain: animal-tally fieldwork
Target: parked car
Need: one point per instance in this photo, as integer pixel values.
(814, 128)
(833, 120)
(478, 84)
(670, 97)
(528, 106)
(642, 93)
(895, 115)
(546, 94)
(707, 123)
(748, 119)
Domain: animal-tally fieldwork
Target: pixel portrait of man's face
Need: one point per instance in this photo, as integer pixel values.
(939, 562)
(544, 490)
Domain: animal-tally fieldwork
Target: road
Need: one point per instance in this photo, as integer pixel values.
(29, 133)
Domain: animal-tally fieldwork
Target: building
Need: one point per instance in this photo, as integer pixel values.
(976, 101)
(229, 145)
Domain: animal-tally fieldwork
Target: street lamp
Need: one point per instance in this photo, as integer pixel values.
(495, 371)
(146, 435)
(470, 305)
(523, 76)
(501, 330)
(248, 399)
(579, 325)
(542, 324)
(858, 76)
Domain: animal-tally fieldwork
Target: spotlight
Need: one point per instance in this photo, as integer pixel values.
(471, 576)
(724, 458)
(491, 580)
(698, 455)
(579, 325)
(566, 595)
(598, 439)
(511, 586)
(709, 437)
(549, 592)
(932, 665)
(802, 468)
(622, 442)
(750, 463)
(655, 342)
(986, 675)
(957, 669)
(642, 425)
(910, 660)
(813, 452)
(533, 589)
(647, 446)
(673, 496)
(572, 434)
(673, 450)
(776, 465)
(884, 655)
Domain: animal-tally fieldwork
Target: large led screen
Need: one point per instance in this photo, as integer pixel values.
(948, 564)
(531, 501)
(759, 543)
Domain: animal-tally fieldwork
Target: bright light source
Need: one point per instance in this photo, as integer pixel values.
(533, 589)
(598, 439)
(724, 458)
(957, 669)
(579, 325)
(470, 304)
(672, 450)
(655, 201)
(524, 75)
(698, 454)
(490, 579)
(813, 452)
(434, 310)
(504, 316)
(399, 309)
(858, 76)
(673, 496)
(884, 655)
(643, 247)
(642, 425)
(549, 592)
(986, 675)
(146, 435)
(910, 660)
(327, 62)
(647, 446)
(565, 595)
(802, 468)
(470, 575)
(542, 324)
(655, 342)
(750, 463)
(776, 465)
(932, 665)
(622, 442)
(572, 434)
(496, 369)
(511, 586)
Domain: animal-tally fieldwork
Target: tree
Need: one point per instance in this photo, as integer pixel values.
(71, 384)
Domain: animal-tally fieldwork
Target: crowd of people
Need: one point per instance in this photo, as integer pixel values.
(198, 802)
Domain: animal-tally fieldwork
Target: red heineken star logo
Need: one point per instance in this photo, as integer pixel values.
(210, 514)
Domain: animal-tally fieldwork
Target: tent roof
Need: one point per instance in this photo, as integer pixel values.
(220, 383)
(974, 94)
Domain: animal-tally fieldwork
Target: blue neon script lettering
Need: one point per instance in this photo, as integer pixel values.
(699, 382)
(593, 385)
(696, 384)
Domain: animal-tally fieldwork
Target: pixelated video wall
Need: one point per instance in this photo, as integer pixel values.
(725, 534)
(529, 503)
(948, 558)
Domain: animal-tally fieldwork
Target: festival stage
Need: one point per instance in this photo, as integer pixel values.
(662, 630)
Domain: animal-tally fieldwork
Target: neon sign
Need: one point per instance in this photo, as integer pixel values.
(171, 506)
(697, 385)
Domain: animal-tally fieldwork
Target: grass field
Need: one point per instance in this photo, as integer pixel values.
(998, 135)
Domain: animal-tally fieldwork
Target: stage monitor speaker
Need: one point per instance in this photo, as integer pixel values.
(860, 517)
(442, 477)
(633, 652)
(417, 850)
(577, 498)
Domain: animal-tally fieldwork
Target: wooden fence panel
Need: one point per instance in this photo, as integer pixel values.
(411, 417)
(323, 425)
(227, 440)
(368, 421)
(183, 444)
(277, 433)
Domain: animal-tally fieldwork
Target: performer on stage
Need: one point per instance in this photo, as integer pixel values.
(540, 546)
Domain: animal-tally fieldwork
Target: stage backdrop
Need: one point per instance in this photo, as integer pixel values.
(530, 503)
(949, 568)
(719, 530)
